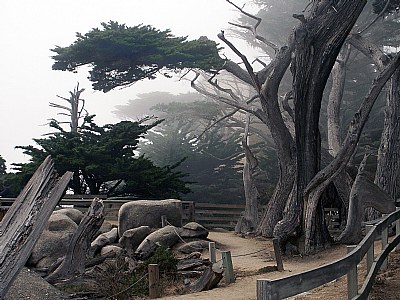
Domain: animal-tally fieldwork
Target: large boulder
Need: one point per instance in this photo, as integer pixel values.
(166, 237)
(73, 213)
(102, 240)
(132, 238)
(53, 242)
(148, 213)
(193, 230)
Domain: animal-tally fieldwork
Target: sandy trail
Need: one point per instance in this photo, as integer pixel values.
(246, 265)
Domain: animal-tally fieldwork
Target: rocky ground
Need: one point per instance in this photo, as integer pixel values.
(249, 255)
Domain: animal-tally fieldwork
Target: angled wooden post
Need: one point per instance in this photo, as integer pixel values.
(25, 220)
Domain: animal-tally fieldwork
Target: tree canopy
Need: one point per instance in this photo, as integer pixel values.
(120, 55)
(105, 160)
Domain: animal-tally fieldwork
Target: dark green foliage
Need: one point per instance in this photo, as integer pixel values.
(105, 161)
(120, 55)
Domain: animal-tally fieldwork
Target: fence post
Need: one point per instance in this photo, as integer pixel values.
(370, 253)
(352, 278)
(211, 250)
(154, 281)
(384, 236)
(164, 220)
(278, 256)
(228, 267)
(398, 228)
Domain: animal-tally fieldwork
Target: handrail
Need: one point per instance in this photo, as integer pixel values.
(305, 281)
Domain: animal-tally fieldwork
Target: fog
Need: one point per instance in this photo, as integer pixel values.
(31, 28)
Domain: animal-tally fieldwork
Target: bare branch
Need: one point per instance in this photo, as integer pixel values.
(249, 68)
(377, 17)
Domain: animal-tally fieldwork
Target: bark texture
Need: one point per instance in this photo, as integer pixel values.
(26, 219)
(73, 264)
(364, 193)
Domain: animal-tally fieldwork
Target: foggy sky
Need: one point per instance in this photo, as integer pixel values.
(31, 28)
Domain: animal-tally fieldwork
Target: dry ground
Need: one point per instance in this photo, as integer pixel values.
(246, 266)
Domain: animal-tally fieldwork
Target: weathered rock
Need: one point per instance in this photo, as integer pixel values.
(190, 247)
(102, 240)
(166, 236)
(193, 230)
(53, 241)
(106, 227)
(148, 213)
(73, 213)
(111, 248)
(132, 238)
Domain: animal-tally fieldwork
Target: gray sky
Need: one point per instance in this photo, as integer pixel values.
(30, 28)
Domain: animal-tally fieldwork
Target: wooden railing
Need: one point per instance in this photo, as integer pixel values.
(210, 215)
(299, 283)
(207, 214)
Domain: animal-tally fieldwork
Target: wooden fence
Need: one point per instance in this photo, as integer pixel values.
(210, 215)
(303, 282)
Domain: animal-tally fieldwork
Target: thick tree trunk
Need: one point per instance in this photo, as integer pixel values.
(389, 150)
(364, 193)
(26, 219)
(74, 261)
(318, 41)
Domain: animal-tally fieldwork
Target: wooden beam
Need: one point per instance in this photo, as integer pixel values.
(24, 222)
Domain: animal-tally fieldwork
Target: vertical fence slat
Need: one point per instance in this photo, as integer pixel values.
(398, 228)
(384, 236)
(352, 278)
(228, 267)
(154, 281)
(211, 250)
(370, 253)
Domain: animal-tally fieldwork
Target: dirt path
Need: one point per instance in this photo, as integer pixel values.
(251, 254)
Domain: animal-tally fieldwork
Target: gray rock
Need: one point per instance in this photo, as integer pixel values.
(148, 213)
(190, 247)
(193, 230)
(166, 236)
(109, 248)
(132, 238)
(53, 242)
(73, 213)
(102, 240)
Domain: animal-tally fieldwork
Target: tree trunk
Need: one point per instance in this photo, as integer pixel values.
(364, 193)
(248, 222)
(318, 41)
(335, 101)
(389, 150)
(24, 222)
(74, 261)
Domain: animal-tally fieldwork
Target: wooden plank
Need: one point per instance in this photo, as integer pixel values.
(225, 219)
(26, 219)
(213, 205)
(200, 212)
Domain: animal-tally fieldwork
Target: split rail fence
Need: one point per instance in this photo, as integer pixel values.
(208, 214)
(299, 283)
